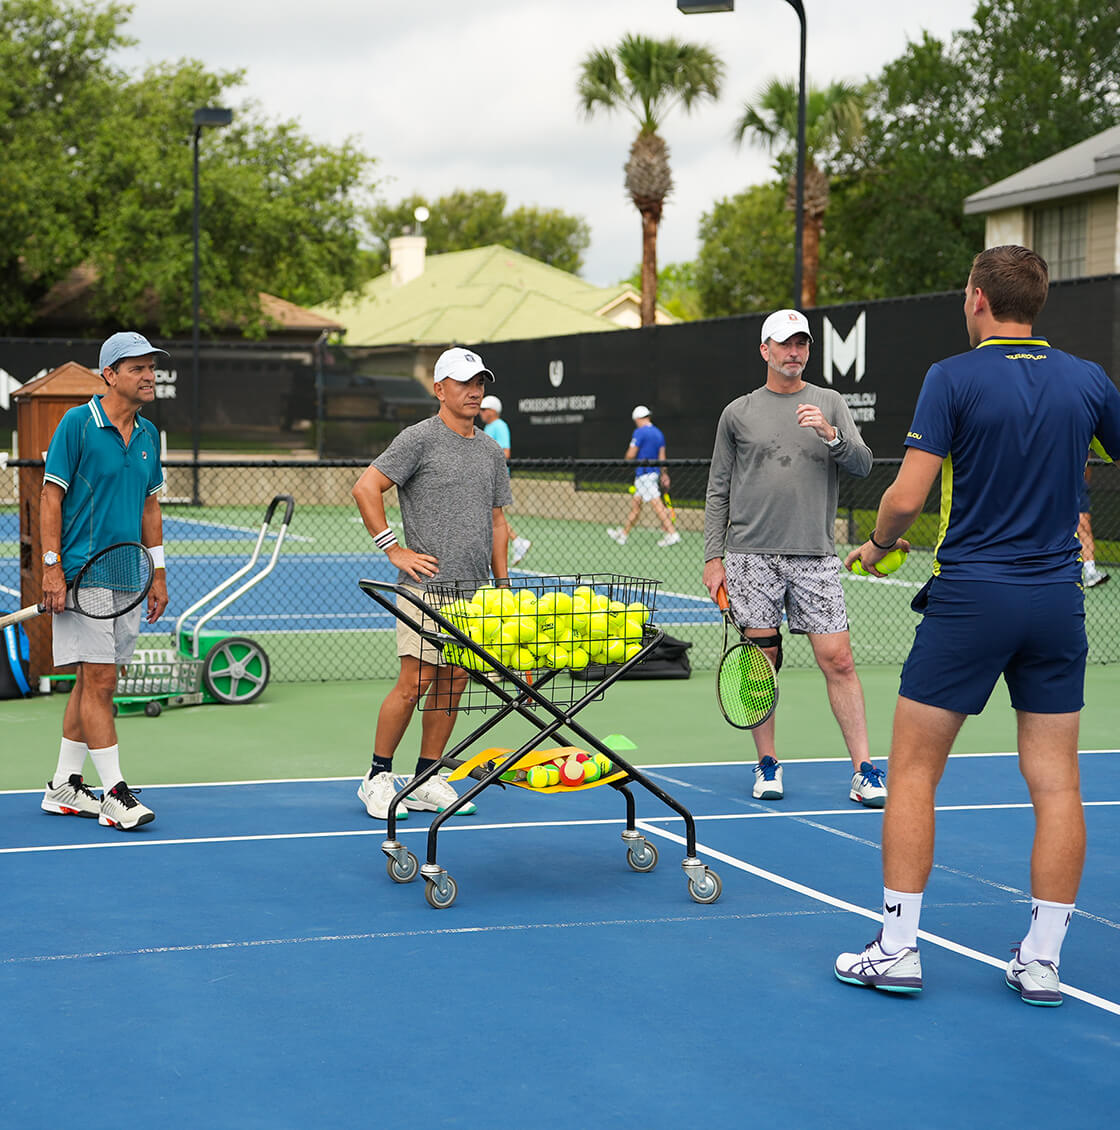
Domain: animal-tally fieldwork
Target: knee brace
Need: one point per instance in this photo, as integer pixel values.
(768, 642)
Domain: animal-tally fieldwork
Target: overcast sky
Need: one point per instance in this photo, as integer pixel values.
(481, 93)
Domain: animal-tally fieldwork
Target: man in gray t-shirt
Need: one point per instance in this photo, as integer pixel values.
(768, 534)
(452, 483)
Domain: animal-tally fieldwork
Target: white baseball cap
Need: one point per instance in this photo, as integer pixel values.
(783, 324)
(491, 402)
(639, 412)
(459, 365)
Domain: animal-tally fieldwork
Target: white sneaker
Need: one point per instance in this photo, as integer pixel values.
(670, 539)
(434, 795)
(376, 795)
(893, 972)
(121, 809)
(1035, 981)
(1091, 577)
(869, 786)
(72, 798)
(616, 534)
(520, 548)
(768, 780)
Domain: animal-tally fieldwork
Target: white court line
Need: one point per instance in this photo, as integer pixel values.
(841, 904)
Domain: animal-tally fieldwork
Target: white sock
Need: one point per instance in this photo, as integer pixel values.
(1049, 923)
(901, 911)
(71, 760)
(107, 762)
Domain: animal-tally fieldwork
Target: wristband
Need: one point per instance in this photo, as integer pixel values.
(158, 561)
(385, 540)
(502, 583)
(877, 545)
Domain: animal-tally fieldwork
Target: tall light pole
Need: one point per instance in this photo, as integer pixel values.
(209, 116)
(690, 7)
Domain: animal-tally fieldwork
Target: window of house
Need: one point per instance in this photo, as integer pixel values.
(1060, 238)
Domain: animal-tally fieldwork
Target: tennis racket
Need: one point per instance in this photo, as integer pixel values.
(669, 506)
(746, 684)
(112, 582)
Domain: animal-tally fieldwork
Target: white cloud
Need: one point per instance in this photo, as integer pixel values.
(481, 94)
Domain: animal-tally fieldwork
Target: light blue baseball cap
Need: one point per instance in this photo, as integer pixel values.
(125, 344)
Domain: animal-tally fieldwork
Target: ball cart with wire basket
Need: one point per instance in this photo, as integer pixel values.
(205, 666)
(520, 650)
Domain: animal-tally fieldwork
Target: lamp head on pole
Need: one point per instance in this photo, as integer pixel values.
(694, 7)
(212, 116)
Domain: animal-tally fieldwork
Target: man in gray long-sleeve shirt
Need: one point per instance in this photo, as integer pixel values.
(768, 535)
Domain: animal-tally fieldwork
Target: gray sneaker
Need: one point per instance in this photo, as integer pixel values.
(121, 809)
(377, 793)
(72, 798)
(1035, 981)
(869, 786)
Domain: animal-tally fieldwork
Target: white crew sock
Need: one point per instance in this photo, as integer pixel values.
(1049, 923)
(107, 762)
(71, 760)
(901, 911)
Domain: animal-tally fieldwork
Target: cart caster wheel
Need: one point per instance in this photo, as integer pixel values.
(441, 901)
(707, 889)
(235, 671)
(402, 870)
(153, 709)
(643, 858)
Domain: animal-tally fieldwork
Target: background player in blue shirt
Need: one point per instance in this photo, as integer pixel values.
(1006, 426)
(490, 412)
(647, 442)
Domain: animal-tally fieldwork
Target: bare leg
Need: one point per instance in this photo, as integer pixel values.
(89, 710)
(923, 736)
(1048, 762)
(833, 652)
(662, 514)
(400, 703)
(632, 517)
(438, 723)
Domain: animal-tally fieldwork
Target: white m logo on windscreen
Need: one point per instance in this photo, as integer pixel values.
(8, 385)
(842, 353)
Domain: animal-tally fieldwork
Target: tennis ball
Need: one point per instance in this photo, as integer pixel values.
(563, 604)
(578, 658)
(597, 625)
(616, 651)
(637, 609)
(632, 628)
(553, 773)
(632, 649)
(571, 773)
(526, 628)
(527, 602)
(580, 609)
(524, 660)
(490, 598)
(599, 603)
(591, 771)
(508, 602)
(604, 763)
(584, 592)
(538, 777)
(546, 605)
(893, 560)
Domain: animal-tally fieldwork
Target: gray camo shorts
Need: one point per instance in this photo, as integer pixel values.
(761, 586)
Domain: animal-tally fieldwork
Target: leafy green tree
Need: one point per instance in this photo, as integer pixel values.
(1027, 79)
(833, 125)
(677, 291)
(647, 78)
(98, 170)
(464, 219)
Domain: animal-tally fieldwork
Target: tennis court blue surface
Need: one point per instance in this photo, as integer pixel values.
(245, 961)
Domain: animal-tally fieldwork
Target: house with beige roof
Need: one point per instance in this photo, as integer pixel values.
(1067, 208)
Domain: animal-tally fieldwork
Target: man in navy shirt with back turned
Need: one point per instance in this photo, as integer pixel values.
(1007, 426)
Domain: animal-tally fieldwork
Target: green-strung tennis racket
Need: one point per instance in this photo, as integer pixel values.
(746, 684)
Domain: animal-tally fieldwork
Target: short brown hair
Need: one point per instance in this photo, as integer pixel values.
(1015, 280)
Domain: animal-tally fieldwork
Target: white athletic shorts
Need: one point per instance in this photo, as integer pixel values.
(647, 487)
(761, 585)
(78, 639)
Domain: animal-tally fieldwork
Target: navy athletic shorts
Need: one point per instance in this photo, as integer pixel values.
(974, 631)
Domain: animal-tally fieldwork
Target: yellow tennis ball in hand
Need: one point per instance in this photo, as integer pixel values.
(892, 561)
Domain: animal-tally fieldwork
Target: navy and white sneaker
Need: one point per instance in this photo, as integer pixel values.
(873, 969)
(869, 786)
(1035, 981)
(768, 780)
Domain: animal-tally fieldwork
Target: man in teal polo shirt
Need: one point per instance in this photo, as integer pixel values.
(100, 486)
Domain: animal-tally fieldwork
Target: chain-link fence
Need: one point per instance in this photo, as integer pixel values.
(315, 624)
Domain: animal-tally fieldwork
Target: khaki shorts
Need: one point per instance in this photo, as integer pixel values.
(78, 639)
(410, 642)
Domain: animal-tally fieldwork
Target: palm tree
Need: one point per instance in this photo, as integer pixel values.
(647, 78)
(833, 125)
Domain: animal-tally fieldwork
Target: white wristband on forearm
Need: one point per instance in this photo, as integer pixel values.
(158, 560)
(385, 540)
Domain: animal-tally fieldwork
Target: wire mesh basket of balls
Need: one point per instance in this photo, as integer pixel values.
(520, 651)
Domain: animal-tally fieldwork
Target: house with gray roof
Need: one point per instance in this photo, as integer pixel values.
(1067, 208)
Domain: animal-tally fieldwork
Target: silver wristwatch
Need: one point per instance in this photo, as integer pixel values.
(834, 442)
(51, 558)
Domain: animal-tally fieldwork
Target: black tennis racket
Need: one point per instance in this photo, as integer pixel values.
(746, 684)
(112, 582)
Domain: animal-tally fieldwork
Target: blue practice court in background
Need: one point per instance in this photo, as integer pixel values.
(245, 961)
